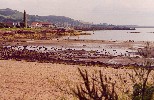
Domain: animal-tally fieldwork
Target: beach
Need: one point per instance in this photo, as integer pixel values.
(76, 50)
(23, 80)
(34, 81)
(48, 69)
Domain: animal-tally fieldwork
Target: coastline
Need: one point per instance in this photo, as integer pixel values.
(57, 57)
(42, 79)
(76, 52)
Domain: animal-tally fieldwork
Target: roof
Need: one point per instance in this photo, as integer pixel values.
(34, 23)
(46, 23)
(42, 23)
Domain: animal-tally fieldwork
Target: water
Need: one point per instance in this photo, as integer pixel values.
(140, 34)
(145, 34)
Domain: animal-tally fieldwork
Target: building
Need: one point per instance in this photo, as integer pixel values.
(41, 24)
(35, 24)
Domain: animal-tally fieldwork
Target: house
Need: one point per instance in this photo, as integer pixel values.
(46, 24)
(41, 24)
(35, 24)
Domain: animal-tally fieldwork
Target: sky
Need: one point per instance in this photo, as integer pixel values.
(117, 12)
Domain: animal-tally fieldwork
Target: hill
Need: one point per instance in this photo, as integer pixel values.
(9, 15)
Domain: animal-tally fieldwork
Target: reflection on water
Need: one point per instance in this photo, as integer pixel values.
(140, 34)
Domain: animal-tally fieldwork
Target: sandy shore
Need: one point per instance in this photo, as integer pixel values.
(22, 80)
(30, 80)
(70, 41)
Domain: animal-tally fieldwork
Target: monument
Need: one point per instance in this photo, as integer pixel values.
(25, 19)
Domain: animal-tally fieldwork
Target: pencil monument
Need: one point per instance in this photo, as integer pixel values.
(25, 19)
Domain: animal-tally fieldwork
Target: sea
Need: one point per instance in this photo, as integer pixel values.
(140, 34)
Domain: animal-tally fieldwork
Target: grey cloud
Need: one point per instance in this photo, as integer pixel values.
(97, 11)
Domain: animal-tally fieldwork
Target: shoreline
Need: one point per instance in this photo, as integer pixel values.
(28, 74)
(64, 54)
(70, 41)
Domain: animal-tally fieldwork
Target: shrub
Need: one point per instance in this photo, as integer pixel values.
(95, 88)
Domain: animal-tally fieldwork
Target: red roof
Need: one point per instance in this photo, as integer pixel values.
(46, 23)
(42, 23)
(34, 23)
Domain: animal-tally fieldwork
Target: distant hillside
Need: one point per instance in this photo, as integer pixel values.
(9, 15)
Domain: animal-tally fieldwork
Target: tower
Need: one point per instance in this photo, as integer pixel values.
(25, 19)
